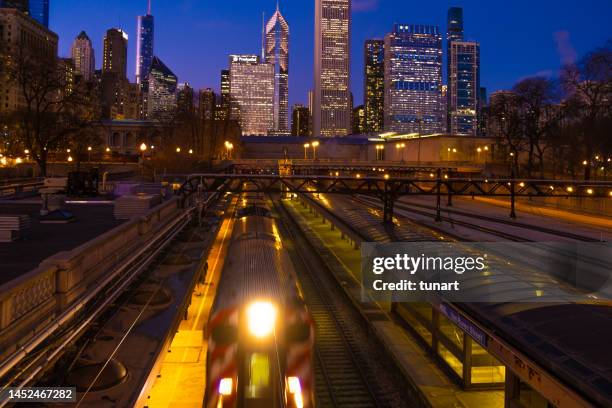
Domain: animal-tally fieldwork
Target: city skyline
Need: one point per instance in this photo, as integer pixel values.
(500, 70)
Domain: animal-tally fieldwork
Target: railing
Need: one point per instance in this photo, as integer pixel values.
(20, 188)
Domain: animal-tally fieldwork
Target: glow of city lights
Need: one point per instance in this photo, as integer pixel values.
(18, 160)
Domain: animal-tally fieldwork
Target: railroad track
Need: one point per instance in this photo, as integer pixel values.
(414, 208)
(350, 368)
(539, 228)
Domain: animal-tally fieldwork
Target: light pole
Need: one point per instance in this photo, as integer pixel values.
(89, 153)
(315, 144)
(143, 149)
(306, 146)
(401, 146)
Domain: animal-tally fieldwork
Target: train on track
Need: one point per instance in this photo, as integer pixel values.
(260, 332)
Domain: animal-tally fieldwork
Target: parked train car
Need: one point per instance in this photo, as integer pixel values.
(261, 335)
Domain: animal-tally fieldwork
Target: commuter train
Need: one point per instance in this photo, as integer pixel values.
(260, 333)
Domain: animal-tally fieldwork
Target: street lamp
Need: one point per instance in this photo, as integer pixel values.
(315, 144)
(143, 149)
(379, 151)
(88, 153)
(306, 146)
(401, 146)
(190, 151)
(178, 149)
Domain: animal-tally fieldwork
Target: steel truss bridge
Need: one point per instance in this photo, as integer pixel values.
(389, 189)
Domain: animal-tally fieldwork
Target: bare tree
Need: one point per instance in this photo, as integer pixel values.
(539, 117)
(588, 85)
(52, 112)
(506, 125)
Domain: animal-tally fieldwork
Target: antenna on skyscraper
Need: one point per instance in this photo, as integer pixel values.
(149, 8)
(263, 36)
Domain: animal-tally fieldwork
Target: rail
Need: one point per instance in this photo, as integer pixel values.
(40, 302)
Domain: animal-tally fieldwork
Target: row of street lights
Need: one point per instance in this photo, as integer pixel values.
(314, 146)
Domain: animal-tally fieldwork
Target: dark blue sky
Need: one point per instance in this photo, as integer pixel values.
(518, 38)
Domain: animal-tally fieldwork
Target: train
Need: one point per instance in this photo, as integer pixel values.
(260, 332)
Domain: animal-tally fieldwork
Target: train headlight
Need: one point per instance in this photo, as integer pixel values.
(261, 317)
(295, 389)
(226, 386)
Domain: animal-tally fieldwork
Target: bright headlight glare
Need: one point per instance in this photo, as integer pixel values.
(295, 389)
(226, 386)
(261, 317)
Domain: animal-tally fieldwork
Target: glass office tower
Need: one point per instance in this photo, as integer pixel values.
(374, 85)
(277, 54)
(413, 79)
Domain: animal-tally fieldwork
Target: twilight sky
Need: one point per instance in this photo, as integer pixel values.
(518, 38)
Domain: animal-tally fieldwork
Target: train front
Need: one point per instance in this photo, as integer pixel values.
(260, 342)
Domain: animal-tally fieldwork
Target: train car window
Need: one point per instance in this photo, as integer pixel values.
(225, 333)
(258, 392)
(298, 332)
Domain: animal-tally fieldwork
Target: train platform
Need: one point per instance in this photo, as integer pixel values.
(434, 385)
(45, 240)
(182, 378)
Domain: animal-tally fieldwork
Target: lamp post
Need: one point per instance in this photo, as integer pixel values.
(89, 153)
(143, 149)
(306, 146)
(315, 144)
(401, 146)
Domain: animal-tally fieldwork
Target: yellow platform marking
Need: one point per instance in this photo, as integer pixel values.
(183, 372)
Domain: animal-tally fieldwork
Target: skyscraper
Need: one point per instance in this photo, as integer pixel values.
(413, 79)
(161, 99)
(359, 120)
(464, 87)
(115, 52)
(277, 53)
(83, 56)
(184, 98)
(300, 120)
(207, 104)
(39, 10)
(144, 46)
(374, 85)
(222, 111)
(332, 110)
(252, 94)
(463, 70)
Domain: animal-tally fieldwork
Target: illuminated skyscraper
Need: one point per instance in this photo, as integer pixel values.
(332, 105)
(464, 87)
(463, 69)
(413, 79)
(161, 100)
(374, 86)
(83, 57)
(277, 53)
(144, 46)
(115, 52)
(222, 109)
(300, 122)
(252, 94)
(207, 104)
